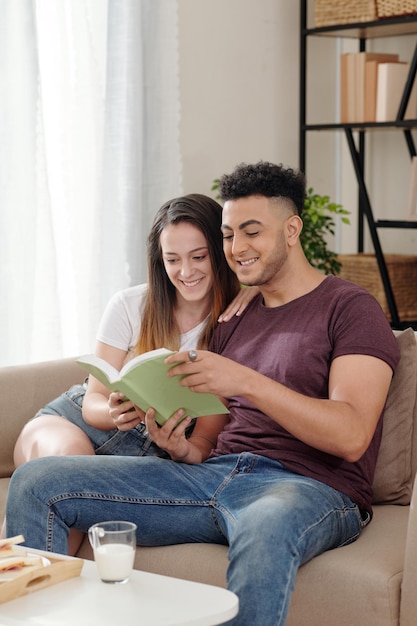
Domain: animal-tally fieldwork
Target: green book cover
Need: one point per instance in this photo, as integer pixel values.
(145, 382)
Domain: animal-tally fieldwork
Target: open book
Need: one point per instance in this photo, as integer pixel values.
(145, 382)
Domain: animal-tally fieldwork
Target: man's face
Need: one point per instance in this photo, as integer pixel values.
(254, 240)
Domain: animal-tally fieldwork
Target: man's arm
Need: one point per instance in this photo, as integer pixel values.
(342, 425)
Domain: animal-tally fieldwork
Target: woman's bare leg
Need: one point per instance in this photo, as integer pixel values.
(51, 435)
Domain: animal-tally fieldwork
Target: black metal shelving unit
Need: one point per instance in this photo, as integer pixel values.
(362, 32)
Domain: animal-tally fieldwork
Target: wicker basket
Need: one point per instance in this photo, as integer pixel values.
(362, 269)
(389, 8)
(329, 12)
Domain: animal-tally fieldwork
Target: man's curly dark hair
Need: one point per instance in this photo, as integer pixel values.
(264, 179)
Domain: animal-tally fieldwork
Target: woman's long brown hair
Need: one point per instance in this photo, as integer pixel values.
(159, 328)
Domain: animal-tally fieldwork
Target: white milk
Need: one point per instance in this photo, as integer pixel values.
(114, 561)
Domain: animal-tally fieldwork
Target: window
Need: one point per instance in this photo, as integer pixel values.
(89, 119)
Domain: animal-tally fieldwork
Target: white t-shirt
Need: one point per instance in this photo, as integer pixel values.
(120, 325)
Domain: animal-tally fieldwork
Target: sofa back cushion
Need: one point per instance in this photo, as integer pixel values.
(393, 478)
(24, 389)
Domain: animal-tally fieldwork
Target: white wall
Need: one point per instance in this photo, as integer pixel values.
(239, 92)
(239, 87)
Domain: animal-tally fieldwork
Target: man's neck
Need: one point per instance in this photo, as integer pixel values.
(293, 286)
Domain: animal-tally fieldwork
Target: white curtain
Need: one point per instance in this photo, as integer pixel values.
(89, 149)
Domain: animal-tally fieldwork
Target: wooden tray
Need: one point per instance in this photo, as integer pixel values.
(31, 579)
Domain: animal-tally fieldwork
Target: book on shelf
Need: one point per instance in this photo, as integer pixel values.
(347, 88)
(412, 193)
(358, 84)
(145, 382)
(344, 88)
(371, 81)
(367, 81)
(392, 78)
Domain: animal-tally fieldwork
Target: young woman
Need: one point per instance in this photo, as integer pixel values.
(189, 286)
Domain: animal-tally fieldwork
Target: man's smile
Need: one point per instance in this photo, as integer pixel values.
(247, 262)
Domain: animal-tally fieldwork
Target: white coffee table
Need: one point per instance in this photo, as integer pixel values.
(145, 600)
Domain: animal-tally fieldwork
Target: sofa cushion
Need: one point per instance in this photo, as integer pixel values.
(31, 386)
(393, 476)
(359, 583)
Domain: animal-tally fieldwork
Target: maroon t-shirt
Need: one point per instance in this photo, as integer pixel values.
(295, 344)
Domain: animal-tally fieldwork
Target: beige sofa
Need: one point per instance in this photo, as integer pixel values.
(372, 582)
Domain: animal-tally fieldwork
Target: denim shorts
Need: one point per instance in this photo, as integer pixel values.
(134, 442)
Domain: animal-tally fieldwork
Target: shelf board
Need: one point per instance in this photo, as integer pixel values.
(400, 124)
(384, 27)
(396, 223)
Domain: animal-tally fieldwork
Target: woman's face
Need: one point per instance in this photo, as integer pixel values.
(186, 258)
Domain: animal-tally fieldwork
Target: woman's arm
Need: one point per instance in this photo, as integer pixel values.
(103, 409)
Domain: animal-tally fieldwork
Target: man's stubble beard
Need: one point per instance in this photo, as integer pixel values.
(272, 268)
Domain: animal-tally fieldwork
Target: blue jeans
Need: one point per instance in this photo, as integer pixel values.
(133, 442)
(273, 520)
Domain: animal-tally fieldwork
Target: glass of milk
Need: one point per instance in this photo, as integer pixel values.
(114, 545)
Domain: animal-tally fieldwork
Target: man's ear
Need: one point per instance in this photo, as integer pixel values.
(294, 226)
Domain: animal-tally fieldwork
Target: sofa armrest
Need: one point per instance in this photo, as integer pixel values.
(24, 389)
(408, 608)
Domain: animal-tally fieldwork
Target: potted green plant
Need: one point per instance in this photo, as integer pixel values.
(318, 222)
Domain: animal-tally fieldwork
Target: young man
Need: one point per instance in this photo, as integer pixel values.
(305, 370)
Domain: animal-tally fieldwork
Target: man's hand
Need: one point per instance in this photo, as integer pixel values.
(209, 373)
(171, 436)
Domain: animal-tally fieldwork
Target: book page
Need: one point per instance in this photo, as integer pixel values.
(100, 369)
(142, 358)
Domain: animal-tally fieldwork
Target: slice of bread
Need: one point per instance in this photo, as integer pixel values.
(11, 562)
(5, 544)
(18, 561)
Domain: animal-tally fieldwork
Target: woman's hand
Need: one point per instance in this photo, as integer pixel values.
(123, 412)
(239, 303)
